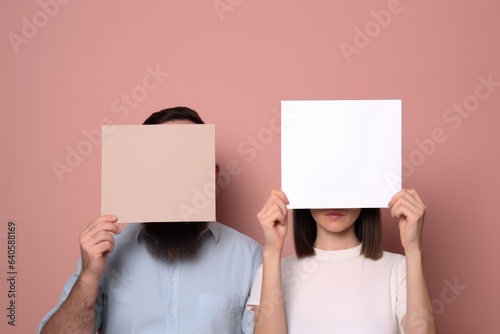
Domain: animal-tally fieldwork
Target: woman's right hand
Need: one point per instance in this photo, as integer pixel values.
(274, 222)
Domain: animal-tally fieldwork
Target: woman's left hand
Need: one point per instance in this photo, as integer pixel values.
(409, 208)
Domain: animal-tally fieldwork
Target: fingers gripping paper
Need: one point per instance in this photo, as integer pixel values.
(159, 173)
(341, 154)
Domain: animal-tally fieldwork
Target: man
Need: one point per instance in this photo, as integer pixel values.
(159, 277)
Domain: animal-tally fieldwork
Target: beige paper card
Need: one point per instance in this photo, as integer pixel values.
(158, 173)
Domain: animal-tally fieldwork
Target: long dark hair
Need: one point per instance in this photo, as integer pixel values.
(368, 229)
(175, 113)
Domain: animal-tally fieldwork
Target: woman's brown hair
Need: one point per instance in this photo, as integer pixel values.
(368, 229)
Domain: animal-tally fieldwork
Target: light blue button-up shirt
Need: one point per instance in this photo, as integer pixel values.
(205, 295)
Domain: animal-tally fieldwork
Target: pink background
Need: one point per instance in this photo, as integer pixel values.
(70, 74)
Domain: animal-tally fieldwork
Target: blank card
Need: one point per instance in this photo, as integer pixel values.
(159, 173)
(341, 154)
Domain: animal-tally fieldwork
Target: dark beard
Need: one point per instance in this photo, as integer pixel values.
(171, 242)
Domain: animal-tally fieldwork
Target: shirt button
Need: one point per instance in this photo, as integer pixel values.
(173, 279)
(171, 309)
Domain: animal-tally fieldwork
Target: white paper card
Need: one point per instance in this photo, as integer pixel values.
(340, 154)
(158, 173)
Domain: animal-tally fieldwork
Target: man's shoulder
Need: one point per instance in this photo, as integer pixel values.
(231, 235)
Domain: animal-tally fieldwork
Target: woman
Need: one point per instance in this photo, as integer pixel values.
(340, 280)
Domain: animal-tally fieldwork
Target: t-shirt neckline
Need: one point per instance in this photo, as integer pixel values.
(336, 255)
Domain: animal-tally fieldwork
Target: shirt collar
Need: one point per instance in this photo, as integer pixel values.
(215, 229)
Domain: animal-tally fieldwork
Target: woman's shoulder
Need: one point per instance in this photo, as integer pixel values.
(289, 261)
(393, 258)
(289, 258)
(392, 255)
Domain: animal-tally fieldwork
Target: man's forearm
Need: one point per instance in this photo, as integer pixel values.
(77, 313)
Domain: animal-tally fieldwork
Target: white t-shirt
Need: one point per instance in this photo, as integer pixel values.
(340, 292)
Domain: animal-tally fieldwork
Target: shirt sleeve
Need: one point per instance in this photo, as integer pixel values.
(401, 293)
(248, 315)
(66, 290)
(254, 299)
